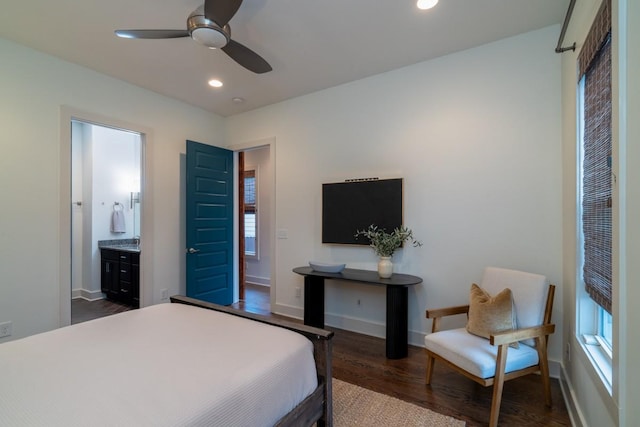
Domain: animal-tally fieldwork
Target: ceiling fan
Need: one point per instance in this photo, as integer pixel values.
(209, 25)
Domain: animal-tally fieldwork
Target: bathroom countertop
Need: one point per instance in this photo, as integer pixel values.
(126, 248)
(127, 245)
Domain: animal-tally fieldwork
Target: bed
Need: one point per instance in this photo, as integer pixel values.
(187, 363)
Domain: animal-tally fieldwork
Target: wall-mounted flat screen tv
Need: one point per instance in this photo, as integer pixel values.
(355, 205)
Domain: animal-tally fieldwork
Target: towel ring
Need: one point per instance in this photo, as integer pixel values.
(115, 205)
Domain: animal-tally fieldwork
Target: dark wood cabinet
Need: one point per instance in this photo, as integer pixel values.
(120, 278)
(110, 276)
(135, 280)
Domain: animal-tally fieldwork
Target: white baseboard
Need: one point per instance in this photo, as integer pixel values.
(289, 311)
(256, 280)
(575, 414)
(86, 294)
(353, 324)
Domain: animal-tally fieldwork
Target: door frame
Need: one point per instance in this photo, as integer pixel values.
(270, 143)
(67, 114)
(242, 267)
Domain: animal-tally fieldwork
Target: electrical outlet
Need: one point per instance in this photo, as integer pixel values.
(358, 302)
(298, 292)
(164, 294)
(5, 329)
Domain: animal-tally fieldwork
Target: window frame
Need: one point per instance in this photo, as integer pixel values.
(589, 314)
(253, 170)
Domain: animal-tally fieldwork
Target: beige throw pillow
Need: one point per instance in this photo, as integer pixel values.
(489, 315)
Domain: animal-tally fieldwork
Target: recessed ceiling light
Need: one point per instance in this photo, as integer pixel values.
(238, 100)
(426, 4)
(215, 83)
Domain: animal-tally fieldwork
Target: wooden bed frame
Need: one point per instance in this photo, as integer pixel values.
(317, 407)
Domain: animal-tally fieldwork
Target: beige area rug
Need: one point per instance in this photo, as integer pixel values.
(357, 406)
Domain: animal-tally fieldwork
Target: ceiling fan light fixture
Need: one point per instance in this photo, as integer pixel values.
(210, 37)
(124, 34)
(426, 4)
(209, 33)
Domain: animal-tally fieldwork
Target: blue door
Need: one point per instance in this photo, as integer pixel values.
(209, 223)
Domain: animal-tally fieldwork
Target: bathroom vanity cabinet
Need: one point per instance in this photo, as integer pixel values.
(120, 275)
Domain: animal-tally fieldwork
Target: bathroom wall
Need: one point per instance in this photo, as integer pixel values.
(105, 170)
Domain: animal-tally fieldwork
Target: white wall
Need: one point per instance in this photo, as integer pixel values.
(628, 20)
(115, 163)
(82, 137)
(115, 170)
(476, 137)
(34, 86)
(77, 210)
(259, 270)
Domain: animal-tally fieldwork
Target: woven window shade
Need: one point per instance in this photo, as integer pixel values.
(600, 30)
(250, 191)
(597, 191)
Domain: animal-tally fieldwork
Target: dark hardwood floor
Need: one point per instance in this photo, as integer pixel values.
(256, 300)
(83, 310)
(360, 359)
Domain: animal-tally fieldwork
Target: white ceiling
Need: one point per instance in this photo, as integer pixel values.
(311, 44)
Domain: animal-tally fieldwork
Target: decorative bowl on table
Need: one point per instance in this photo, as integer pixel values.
(324, 267)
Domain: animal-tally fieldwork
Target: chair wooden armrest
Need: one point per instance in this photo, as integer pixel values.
(522, 334)
(447, 311)
(437, 313)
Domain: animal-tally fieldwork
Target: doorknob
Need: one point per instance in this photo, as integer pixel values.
(192, 251)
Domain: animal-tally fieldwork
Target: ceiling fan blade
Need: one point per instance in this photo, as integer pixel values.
(221, 11)
(246, 57)
(151, 34)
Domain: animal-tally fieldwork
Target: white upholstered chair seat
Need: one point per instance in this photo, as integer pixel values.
(475, 354)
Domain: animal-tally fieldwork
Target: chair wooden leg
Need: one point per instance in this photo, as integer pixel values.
(430, 362)
(544, 369)
(498, 383)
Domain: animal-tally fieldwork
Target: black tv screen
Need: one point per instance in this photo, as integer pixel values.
(355, 205)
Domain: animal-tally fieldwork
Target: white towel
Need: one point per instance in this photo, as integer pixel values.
(117, 222)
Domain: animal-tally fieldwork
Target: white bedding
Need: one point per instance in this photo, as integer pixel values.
(164, 365)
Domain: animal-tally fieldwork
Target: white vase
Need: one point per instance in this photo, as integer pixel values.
(385, 267)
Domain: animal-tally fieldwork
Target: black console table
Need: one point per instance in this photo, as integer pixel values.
(397, 301)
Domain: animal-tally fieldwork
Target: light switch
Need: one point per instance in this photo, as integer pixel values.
(283, 234)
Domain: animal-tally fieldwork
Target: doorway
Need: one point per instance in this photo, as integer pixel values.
(106, 176)
(255, 200)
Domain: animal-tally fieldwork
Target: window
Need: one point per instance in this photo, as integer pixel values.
(250, 214)
(595, 300)
(605, 327)
(596, 177)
